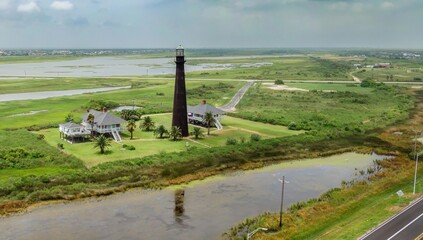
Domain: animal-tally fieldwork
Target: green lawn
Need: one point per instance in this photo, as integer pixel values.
(147, 144)
(91, 156)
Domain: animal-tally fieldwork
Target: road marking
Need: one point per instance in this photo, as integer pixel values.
(405, 227)
(375, 229)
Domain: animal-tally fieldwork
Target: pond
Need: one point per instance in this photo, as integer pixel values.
(211, 206)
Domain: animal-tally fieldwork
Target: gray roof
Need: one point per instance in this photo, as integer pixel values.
(103, 118)
(203, 108)
(70, 125)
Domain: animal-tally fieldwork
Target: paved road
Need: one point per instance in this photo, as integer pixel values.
(407, 225)
(230, 107)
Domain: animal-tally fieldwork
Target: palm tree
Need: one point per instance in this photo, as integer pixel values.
(90, 120)
(131, 126)
(197, 132)
(175, 133)
(208, 120)
(102, 142)
(69, 118)
(160, 131)
(148, 124)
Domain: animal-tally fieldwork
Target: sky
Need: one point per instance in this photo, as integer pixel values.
(211, 23)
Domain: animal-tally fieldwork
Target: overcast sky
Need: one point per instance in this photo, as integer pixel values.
(210, 23)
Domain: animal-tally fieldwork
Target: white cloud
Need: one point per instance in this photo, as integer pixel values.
(62, 5)
(4, 4)
(387, 5)
(28, 7)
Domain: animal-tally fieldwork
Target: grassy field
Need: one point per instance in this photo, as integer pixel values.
(52, 84)
(350, 108)
(153, 95)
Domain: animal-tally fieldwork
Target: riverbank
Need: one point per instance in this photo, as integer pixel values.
(355, 207)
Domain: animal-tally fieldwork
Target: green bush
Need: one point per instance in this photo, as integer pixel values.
(231, 141)
(128, 147)
(255, 137)
(279, 82)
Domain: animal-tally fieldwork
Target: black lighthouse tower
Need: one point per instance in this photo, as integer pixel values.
(180, 115)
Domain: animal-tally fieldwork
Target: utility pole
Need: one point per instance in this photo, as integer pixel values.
(280, 217)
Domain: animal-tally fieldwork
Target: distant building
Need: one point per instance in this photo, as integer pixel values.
(357, 65)
(196, 114)
(382, 65)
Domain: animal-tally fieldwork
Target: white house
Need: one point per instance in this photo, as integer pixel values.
(196, 114)
(72, 130)
(102, 123)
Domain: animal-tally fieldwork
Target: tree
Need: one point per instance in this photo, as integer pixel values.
(175, 133)
(90, 120)
(208, 120)
(130, 114)
(131, 126)
(148, 124)
(69, 118)
(197, 132)
(160, 131)
(102, 142)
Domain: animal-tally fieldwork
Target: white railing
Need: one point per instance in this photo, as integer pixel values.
(218, 125)
(108, 130)
(116, 136)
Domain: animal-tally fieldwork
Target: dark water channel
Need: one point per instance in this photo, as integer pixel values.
(209, 206)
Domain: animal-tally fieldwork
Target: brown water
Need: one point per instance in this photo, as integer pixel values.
(211, 206)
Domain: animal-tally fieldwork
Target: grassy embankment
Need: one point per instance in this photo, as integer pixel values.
(358, 205)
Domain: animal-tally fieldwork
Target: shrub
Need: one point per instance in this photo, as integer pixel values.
(231, 141)
(128, 147)
(255, 137)
(292, 126)
(60, 146)
(279, 82)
